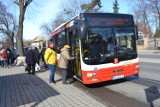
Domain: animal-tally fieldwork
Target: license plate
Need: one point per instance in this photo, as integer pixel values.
(117, 77)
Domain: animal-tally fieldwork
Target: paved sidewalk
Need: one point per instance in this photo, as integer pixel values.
(18, 89)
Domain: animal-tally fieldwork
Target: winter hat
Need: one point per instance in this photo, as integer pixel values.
(66, 46)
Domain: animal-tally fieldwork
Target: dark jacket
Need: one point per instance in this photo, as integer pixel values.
(30, 57)
(37, 55)
(8, 51)
(43, 52)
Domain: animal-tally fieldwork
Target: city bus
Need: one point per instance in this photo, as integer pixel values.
(103, 46)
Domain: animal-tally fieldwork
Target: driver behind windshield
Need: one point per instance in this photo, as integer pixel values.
(96, 46)
(110, 46)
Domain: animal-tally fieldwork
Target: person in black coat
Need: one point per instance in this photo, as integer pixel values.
(30, 61)
(8, 51)
(42, 56)
(35, 50)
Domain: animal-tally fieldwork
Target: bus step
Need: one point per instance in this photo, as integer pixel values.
(77, 78)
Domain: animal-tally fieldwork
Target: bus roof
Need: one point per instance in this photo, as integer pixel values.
(112, 17)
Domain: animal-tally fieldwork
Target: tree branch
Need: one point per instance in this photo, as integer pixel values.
(27, 3)
(16, 2)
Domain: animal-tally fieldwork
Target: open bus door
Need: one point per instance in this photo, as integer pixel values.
(75, 66)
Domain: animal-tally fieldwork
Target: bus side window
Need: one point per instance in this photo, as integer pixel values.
(76, 38)
(61, 38)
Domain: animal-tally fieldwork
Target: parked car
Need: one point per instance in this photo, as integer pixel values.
(25, 49)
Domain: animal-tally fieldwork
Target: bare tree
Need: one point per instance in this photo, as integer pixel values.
(69, 9)
(155, 9)
(142, 12)
(23, 4)
(90, 7)
(7, 25)
(27, 42)
(47, 29)
(58, 21)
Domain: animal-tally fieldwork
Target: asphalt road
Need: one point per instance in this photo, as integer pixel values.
(149, 65)
(132, 91)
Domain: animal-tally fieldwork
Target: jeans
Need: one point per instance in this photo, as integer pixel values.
(4, 63)
(52, 69)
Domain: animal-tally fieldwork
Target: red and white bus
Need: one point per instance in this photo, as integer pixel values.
(103, 46)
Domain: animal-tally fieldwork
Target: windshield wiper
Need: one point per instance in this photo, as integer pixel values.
(105, 57)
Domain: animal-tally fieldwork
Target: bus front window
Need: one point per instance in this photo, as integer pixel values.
(125, 43)
(98, 44)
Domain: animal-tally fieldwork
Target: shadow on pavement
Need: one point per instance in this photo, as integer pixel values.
(152, 94)
(21, 89)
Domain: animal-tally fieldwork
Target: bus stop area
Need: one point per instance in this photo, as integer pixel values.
(19, 89)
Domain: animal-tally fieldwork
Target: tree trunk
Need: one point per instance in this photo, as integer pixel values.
(20, 30)
(19, 40)
(12, 42)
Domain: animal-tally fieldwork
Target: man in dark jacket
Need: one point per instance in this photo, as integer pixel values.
(8, 52)
(31, 61)
(35, 50)
(42, 56)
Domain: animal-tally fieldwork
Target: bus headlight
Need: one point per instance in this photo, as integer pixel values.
(90, 74)
(137, 67)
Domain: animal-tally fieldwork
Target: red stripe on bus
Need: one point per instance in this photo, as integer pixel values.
(54, 33)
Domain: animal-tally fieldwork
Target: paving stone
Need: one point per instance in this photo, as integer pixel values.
(23, 90)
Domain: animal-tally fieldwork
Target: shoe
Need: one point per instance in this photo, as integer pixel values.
(66, 83)
(52, 84)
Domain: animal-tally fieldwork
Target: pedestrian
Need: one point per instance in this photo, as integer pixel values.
(63, 62)
(35, 50)
(30, 60)
(42, 55)
(3, 57)
(8, 52)
(50, 58)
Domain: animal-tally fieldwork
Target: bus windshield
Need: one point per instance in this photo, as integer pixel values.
(101, 45)
(125, 43)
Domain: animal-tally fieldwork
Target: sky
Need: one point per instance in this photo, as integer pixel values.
(43, 11)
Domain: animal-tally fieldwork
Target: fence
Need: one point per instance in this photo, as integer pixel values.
(154, 43)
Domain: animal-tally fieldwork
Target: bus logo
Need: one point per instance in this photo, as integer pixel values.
(117, 70)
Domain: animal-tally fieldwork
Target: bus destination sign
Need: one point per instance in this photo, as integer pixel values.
(109, 21)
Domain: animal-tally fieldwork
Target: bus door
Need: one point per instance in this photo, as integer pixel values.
(75, 52)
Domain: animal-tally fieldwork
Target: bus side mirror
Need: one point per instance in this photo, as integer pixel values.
(83, 29)
(136, 32)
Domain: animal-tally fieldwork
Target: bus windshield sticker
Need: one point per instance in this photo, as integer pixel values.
(95, 69)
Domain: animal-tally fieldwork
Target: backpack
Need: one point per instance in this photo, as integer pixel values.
(4, 55)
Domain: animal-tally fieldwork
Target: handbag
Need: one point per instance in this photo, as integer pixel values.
(37, 67)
